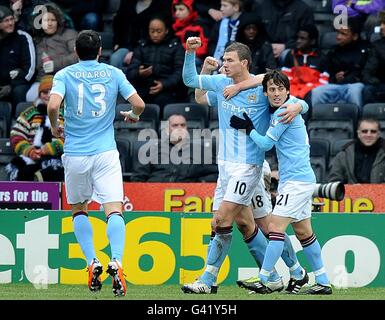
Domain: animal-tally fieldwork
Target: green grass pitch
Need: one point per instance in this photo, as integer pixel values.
(170, 292)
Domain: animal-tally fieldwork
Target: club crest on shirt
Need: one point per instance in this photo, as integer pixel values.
(252, 98)
(273, 122)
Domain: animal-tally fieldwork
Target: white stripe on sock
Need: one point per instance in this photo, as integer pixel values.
(295, 266)
(264, 273)
(319, 271)
(212, 269)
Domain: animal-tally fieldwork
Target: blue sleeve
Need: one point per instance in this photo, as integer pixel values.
(212, 98)
(264, 142)
(126, 89)
(192, 79)
(276, 128)
(305, 106)
(58, 85)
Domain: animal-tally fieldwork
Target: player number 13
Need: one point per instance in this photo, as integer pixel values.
(97, 88)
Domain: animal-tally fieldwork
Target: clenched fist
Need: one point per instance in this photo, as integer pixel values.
(193, 43)
(210, 64)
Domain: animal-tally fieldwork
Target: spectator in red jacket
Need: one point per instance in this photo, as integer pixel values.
(185, 26)
(303, 64)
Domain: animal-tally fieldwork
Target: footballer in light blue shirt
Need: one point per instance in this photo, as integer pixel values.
(92, 168)
(89, 90)
(296, 185)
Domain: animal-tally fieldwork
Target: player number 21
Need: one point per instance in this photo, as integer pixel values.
(282, 198)
(97, 88)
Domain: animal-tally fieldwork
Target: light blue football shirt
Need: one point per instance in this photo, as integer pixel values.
(293, 149)
(234, 145)
(90, 90)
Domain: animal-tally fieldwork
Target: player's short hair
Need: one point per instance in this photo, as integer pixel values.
(88, 44)
(243, 51)
(278, 78)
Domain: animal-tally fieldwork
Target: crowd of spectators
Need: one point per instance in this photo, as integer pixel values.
(37, 39)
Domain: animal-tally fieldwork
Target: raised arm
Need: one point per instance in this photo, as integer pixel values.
(189, 74)
(209, 65)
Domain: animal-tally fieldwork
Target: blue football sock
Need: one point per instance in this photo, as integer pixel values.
(257, 244)
(209, 245)
(272, 254)
(290, 258)
(312, 251)
(83, 233)
(220, 246)
(116, 233)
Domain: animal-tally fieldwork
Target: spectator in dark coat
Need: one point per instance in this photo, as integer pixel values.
(252, 33)
(344, 63)
(373, 73)
(156, 69)
(303, 64)
(282, 19)
(209, 12)
(131, 25)
(86, 14)
(17, 59)
(363, 160)
(176, 159)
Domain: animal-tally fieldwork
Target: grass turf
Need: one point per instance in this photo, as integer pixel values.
(21, 291)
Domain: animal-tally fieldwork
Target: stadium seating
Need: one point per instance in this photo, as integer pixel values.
(209, 151)
(333, 121)
(320, 6)
(319, 158)
(21, 106)
(328, 40)
(195, 114)
(337, 145)
(5, 119)
(213, 118)
(107, 46)
(112, 6)
(6, 155)
(149, 119)
(375, 111)
(125, 156)
(139, 153)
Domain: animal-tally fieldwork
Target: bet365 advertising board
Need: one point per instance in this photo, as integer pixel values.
(170, 248)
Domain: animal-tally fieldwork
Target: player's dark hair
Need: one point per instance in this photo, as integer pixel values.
(87, 44)
(243, 51)
(278, 78)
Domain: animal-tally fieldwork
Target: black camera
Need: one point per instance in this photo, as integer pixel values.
(331, 190)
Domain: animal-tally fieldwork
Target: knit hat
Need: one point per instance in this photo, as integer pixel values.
(45, 83)
(187, 3)
(5, 12)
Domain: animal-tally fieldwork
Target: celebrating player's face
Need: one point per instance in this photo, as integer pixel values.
(277, 94)
(231, 64)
